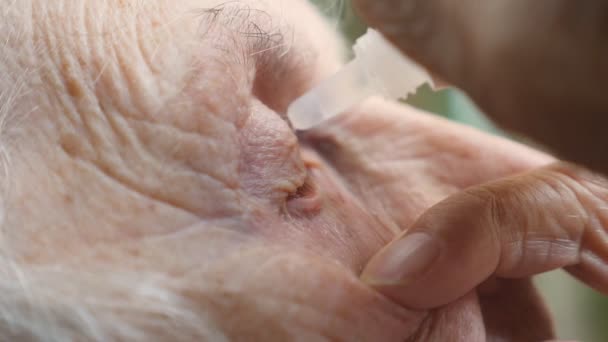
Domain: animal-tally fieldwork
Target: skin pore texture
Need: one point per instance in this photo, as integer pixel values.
(153, 188)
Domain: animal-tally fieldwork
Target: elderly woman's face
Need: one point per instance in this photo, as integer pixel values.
(154, 186)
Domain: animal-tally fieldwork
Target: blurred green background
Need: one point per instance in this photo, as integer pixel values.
(580, 312)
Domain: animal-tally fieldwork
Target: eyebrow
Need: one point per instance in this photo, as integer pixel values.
(255, 27)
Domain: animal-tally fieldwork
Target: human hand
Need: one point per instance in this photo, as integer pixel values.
(487, 236)
(399, 164)
(536, 67)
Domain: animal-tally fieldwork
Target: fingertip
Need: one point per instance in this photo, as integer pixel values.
(403, 261)
(419, 272)
(442, 257)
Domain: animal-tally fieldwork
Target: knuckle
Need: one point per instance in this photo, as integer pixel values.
(536, 219)
(490, 201)
(568, 211)
(591, 192)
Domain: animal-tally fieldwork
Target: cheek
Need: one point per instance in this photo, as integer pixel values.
(293, 294)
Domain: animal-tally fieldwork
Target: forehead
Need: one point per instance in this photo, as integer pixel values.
(116, 81)
(107, 44)
(262, 26)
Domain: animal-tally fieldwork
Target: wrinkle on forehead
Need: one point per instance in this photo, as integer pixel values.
(114, 81)
(116, 73)
(169, 38)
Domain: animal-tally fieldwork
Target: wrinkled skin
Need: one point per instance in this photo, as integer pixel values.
(152, 141)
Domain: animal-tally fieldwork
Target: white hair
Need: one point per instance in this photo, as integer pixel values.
(46, 304)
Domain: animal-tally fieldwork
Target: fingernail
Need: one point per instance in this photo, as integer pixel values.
(402, 261)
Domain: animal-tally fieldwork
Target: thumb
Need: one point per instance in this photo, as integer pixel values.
(524, 225)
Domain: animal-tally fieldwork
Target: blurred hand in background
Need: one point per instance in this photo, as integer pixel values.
(535, 67)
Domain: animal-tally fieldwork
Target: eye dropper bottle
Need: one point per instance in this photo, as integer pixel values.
(379, 68)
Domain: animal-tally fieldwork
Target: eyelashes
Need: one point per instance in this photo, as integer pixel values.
(305, 201)
(307, 190)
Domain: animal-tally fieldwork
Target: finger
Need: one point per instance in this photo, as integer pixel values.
(536, 67)
(520, 226)
(458, 321)
(514, 311)
(411, 152)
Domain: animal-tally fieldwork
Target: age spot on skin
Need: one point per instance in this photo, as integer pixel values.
(74, 88)
(71, 144)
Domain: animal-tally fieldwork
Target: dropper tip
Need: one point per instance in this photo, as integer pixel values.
(301, 120)
(305, 113)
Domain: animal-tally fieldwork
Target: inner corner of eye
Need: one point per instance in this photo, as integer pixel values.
(305, 201)
(305, 190)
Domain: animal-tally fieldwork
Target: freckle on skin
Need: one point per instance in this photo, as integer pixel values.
(74, 88)
(155, 24)
(68, 199)
(71, 144)
(134, 253)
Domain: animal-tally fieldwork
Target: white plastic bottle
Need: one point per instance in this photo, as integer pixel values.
(378, 69)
